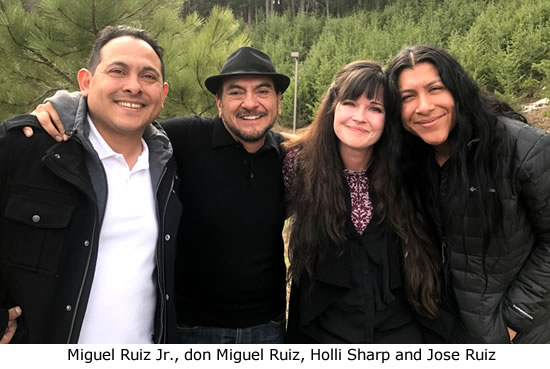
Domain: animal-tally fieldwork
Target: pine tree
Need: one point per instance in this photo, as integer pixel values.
(44, 45)
(212, 40)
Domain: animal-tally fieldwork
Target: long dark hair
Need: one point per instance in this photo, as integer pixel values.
(318, 197)
(477, 140)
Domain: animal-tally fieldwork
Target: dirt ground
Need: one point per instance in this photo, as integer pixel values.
(540, 118)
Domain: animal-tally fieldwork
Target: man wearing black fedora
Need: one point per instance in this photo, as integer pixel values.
(230, 271)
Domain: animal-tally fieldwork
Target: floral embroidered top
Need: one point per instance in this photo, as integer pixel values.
(358, 182)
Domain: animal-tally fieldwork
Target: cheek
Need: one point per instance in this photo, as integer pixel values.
(379, 120)
(337, 129)
(453, 112)
(380, 129)
(406, 115)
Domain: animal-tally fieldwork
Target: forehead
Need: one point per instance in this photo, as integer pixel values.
(420, 73)
(131, 50)
(247, 82)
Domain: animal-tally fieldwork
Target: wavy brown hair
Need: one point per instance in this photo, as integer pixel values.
(318, 203)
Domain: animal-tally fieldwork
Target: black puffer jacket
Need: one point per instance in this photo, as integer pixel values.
(516, 292)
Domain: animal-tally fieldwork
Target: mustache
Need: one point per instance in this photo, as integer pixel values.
(251, 112)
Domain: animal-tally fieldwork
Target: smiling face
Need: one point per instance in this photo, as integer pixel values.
(428, 109)
(358, 124)
(248, 107)
(126, 92)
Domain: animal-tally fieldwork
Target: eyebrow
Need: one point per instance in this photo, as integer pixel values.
(124, 65)
(431, 83)
(261, 85)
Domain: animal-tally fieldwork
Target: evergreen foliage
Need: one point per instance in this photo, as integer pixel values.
(504, 44)
(44, 47)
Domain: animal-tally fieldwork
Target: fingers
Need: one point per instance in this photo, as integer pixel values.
(512, 334)
(49, 120)
(28, 132)
(57, 122)
(13, 313)
(10, 331)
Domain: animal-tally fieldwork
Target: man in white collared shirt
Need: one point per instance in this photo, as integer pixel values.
(88, 225)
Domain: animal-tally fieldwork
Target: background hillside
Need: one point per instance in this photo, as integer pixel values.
(504, 44)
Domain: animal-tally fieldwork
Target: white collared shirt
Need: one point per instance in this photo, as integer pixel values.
(121, 307)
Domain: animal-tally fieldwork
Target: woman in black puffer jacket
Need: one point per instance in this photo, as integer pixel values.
(483, 177)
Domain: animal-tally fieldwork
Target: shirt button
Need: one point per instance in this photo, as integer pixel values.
(167, 237)
(35, 218)
(57, 156)
(86, 243)
(68, 308)
(251, 175)
(167, 297)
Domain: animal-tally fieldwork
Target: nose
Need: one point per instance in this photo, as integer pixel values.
(249, 101)
(360, 115)
(132, 85)
(425, 104)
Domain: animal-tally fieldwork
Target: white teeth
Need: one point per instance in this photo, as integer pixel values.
(130, 105)
(251, 117)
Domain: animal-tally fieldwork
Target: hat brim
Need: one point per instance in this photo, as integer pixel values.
(213, 83)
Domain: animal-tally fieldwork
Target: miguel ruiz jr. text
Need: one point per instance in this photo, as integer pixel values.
(89, 356)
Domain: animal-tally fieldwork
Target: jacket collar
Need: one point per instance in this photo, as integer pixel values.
(76, 122)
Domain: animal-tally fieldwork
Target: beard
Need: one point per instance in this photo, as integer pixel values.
(254, 136)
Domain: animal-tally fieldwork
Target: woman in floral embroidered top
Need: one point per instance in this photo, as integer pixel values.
(363, 269)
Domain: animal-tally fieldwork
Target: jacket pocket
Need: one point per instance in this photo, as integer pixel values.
(32, 233)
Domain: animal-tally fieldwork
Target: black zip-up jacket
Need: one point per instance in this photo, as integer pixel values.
(52, 201)
(514, 289)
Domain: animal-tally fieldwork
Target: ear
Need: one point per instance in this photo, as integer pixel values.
(279, 99)
(164, 92)
(84, 81)
(219, 104)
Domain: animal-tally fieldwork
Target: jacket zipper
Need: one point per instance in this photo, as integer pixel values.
(80, 291)
(160, 268)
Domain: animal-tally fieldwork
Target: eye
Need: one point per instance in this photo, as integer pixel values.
(151, 77)
(377, 109)
(235, 94)
(117, 72)
(437, 88)
(347, 103)
(405, 98)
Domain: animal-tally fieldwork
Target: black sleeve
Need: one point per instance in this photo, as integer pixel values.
(3, 320)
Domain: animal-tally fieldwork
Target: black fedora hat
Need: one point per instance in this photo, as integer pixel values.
(247, 61)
